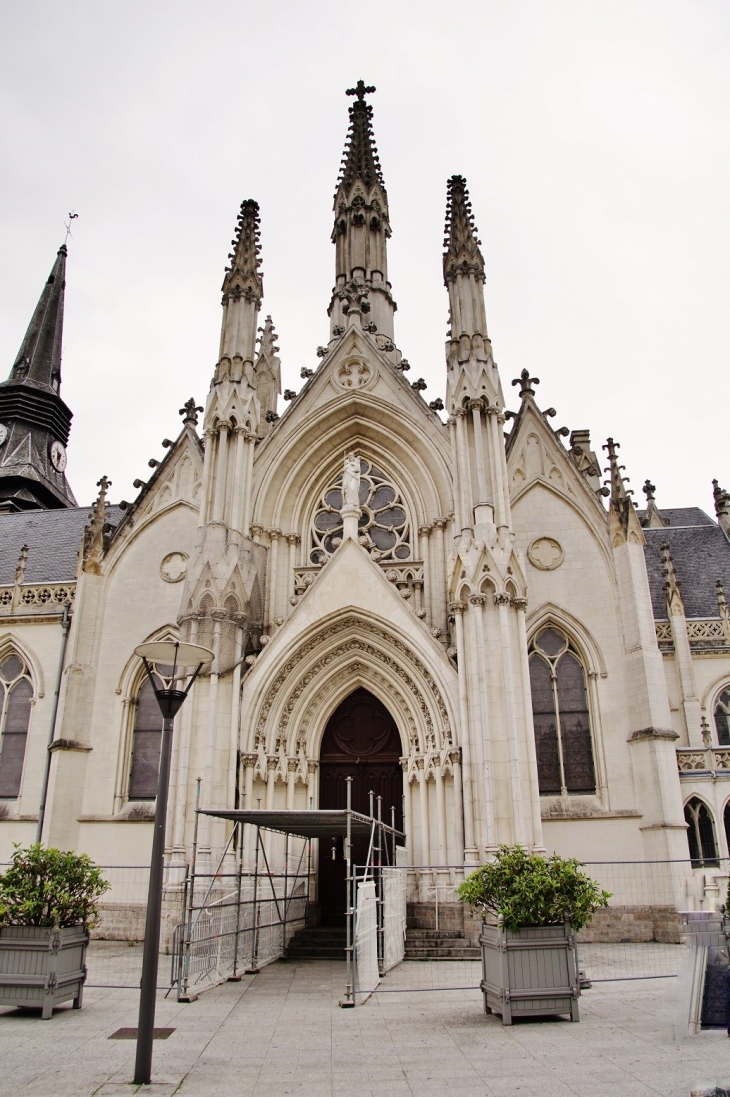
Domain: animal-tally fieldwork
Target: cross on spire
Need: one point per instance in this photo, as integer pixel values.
(360, 90)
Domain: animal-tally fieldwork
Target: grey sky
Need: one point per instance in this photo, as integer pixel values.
(594, 138)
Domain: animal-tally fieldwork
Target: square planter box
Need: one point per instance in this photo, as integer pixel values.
(42, 967)
(529, 972)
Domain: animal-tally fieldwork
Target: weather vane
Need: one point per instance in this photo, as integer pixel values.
(71, 217)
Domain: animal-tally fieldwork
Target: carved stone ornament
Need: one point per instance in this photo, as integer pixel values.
(354, 374)
(546, 553)
(174, 566)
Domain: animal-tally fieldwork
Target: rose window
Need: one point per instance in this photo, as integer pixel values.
(383, 527)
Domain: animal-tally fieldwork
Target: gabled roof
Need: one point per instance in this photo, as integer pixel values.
(53, 538)
(701, 555)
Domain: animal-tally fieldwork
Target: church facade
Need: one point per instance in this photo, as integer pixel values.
(441, 599)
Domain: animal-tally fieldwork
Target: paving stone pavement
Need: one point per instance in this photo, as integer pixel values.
(282, 1032)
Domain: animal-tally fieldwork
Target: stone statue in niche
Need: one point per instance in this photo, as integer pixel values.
(351, 482)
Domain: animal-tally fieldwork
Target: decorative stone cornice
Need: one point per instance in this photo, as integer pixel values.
(652, 733)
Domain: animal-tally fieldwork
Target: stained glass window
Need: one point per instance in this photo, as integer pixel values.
(383, 527)
(560, 716)
(147, 738)
(16, 694)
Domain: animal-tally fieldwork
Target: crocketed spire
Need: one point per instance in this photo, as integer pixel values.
(360, 160)
(243, 289)
(244, 274)
(461, 245)
(361, 232)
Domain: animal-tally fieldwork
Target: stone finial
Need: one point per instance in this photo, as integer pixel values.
(583, 457)
(93, 542)
(654, 518)
(722, 506)
(526, 382)
(706, 732)
(360, 159)
(244, 277)
(621, 502)
(190, 411)
(672, 585)
(21, 565)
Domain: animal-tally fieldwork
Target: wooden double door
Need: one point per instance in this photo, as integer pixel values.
(360, 741)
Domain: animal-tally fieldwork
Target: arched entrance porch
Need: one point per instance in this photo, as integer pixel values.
(361, 741)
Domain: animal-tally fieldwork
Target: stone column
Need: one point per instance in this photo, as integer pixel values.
(520, 605)
(239, 482)
(221, 473)
(455, 465)
(292, 540)
(209, 444)
(408, 812)
(464, 471)
(272, 586)
(502, 601)
(440, 581)
(470, 850)
(428, 576)
(484, 741)
(247, 484)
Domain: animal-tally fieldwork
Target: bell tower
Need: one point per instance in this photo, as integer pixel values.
(34, 421)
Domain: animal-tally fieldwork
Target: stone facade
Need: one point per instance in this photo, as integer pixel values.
(431, 595)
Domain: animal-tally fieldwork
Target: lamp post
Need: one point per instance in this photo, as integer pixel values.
(178, 656)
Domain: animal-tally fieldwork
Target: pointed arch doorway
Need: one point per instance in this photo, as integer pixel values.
(361, 741)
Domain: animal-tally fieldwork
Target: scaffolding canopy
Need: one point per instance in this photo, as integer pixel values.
(316, 823)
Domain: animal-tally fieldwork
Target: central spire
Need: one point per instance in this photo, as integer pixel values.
(361, 229)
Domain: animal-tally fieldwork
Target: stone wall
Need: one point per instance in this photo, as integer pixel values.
(610, 926)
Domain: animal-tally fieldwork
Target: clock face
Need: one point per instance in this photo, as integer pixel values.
(58, 456)
(3, 433)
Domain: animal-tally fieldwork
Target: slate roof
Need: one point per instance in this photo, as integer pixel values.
(701, 554)
(53, 538)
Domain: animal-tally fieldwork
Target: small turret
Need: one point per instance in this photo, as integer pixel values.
(267, 375)
(34, 421)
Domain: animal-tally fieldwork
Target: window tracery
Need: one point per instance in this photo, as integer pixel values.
(16, 695)
(722, 716)
(384, 528)
(561, 718)
(700, 834)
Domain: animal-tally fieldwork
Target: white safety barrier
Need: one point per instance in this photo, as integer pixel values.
(367, 974)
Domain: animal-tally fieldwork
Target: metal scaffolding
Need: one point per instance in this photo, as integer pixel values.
(224, 907)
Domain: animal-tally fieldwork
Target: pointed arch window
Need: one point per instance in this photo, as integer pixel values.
(383, 528)
(722, 718)
(147, 738)
(700, 834)
(560, 714)
(16, 695)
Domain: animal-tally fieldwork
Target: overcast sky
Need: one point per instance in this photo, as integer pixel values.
(593, 135)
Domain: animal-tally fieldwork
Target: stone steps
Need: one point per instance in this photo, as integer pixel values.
(435, 944)
(317, 943)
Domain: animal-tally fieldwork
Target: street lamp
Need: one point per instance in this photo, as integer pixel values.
(178, 656)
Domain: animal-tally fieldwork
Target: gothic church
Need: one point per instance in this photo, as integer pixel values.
(441, 599)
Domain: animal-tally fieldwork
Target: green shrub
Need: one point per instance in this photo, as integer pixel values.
(49, 887)
(530, 890)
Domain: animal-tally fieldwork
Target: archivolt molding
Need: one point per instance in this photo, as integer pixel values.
(351, 676)
(551, 614)
(386, 661)
(288, 480)
(134, 672)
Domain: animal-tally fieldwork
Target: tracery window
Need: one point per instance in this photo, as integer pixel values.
(560, 715)
(700, 834)
(383, 527)
(16, 694)
(722, 713)
(147, 738)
